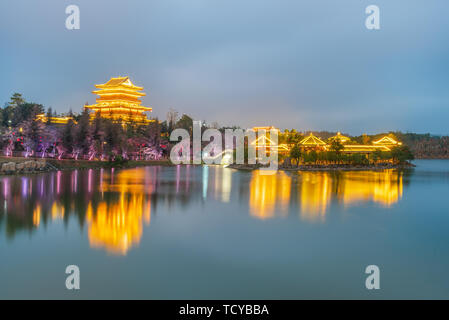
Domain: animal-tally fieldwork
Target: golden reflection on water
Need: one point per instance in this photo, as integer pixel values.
(117, 226)
(384, 188)
(315, 194)
(115, 205)
(270, 194)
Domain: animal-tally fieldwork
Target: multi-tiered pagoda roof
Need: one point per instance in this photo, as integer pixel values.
(119, 100)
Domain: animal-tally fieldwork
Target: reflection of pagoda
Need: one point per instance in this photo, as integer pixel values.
(119, 101)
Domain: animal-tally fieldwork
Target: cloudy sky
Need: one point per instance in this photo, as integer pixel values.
(304, 64)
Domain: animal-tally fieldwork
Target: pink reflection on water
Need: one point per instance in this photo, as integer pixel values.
(24, 186)
(41, 186)
(89, 181)
(58, 182)
(5, 187)
(75, 181)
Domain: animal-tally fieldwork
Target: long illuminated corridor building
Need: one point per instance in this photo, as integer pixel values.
(119, 101)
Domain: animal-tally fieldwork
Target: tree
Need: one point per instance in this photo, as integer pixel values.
(24, 112)
(185, 123)
(376, 155)
(172, 118)
(16, 100)
(296, 153)
(337, 146)
(82, 134)
(365, 139)
(49, 116)
(401, 154)
(32, 133)
(68, 137)
(9, 111)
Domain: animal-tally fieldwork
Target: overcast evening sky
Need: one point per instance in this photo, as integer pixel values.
(309, 65)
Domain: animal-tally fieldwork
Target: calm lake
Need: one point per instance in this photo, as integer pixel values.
(191, 232)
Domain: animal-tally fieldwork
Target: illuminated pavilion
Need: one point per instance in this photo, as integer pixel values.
(119, 101)
(343, 139)
(54, 120)
(312, 142)
(263, 140)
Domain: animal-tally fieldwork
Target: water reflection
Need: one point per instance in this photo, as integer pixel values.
(269, 193)
(115, 206)
(317, 190)
(315, 195)
(117, 225)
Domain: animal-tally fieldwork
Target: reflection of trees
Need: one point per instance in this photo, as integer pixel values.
(115, 206)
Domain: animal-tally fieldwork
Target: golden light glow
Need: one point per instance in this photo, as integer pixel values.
(269, 192)
(383, 144)
(37, 215)
(57, 211)
(343, 139)
(315, 195)
(384, 188)
(57, 120)
(317, 189)
(119, 101)
(312, 141)
(117, 226)
(348, 148)
(387, 141)
(264, 142)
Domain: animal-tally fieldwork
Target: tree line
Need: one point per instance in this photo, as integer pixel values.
(82, 137)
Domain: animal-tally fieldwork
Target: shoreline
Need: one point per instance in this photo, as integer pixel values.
(246, 167)
(38, 165)
(19, 166)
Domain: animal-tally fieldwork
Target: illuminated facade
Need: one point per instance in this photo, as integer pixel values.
(119, 101)
(312, 142)
(343, 139)
(265, 142)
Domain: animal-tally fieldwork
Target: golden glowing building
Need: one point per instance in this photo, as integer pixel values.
(343, 139)
(383, 144)
(119, 100)
(312, 142)
(387, 141)
(54, 120)
(264, 140)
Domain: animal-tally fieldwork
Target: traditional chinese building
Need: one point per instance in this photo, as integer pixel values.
(119, 101)
(312, 142)
(264, 140)
(343, 139)
(54, 120)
